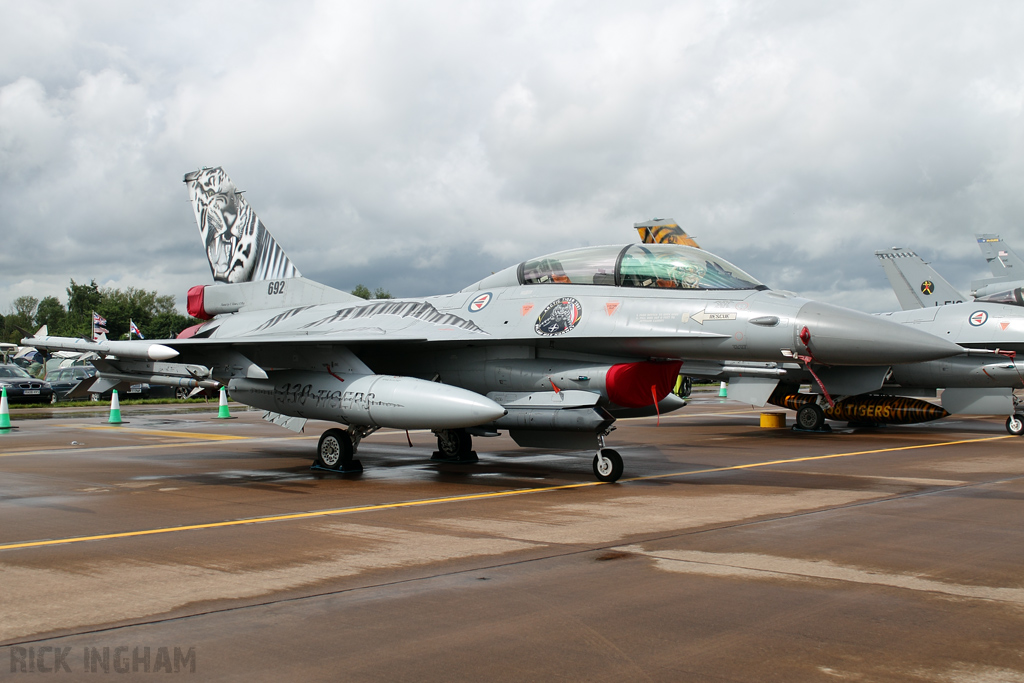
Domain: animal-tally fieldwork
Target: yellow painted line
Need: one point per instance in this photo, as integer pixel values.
(459, 499)
(146, 447)
(677, 415)
(810, 458)
(158, 432)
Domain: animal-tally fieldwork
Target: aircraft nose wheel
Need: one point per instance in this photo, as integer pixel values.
(334, 452)
(454, 445)
(1015, 424)
(810, 417)
(607, 465)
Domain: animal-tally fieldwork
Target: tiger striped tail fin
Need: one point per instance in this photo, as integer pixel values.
(238, 245)
(664, 231)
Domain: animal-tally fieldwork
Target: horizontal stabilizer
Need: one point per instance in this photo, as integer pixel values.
(206, 301)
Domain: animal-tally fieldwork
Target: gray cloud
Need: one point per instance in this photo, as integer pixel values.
(420, 146)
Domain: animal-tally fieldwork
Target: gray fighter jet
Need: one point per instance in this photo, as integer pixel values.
(552, 349)
(1005, 265)
(980, 381)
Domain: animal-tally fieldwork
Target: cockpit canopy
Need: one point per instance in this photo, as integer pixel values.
(665, 266)
(1012, 297)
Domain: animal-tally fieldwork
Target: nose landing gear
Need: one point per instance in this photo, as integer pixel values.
(608, 464)
(454, 445)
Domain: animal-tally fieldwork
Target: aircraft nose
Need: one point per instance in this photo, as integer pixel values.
(838, 336)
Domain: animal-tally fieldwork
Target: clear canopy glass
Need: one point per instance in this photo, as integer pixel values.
(664, 266)
(1013, 297)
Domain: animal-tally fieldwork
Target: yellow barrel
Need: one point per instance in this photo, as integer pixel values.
(773, 420)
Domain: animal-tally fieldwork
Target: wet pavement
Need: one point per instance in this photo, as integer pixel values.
(727, 552)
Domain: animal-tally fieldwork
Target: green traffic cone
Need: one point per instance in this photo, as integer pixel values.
(115, 409)
(222, 412)
(5, 411)
(723, 391)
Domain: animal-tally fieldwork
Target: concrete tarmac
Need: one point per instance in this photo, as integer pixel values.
(727, 553)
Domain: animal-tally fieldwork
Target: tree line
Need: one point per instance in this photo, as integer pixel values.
(154, 314)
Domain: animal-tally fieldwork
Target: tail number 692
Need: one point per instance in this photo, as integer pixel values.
(275, 287)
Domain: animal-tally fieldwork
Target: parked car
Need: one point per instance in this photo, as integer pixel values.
(63, 380)
(23, 387)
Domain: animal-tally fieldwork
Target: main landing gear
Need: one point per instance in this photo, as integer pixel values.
(454, 445)
(337, 448)
(1015, 424)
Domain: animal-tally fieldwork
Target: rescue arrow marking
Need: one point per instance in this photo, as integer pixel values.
(701, 316)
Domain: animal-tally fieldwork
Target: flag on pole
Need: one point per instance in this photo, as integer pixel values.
(98, 322)
(134, 329)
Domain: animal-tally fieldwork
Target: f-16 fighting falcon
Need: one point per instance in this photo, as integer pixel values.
(980, 381)
(552, 349)
(1004, 263)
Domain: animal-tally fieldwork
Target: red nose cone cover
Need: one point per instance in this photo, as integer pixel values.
(195, 304)
(805, 336)
(629, 384)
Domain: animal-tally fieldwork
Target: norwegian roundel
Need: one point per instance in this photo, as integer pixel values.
(560, 316)
(978, 318)
(480, 303)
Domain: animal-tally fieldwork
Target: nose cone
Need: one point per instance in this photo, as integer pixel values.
(838, 336)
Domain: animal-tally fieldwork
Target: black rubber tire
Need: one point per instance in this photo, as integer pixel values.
(53, 398)
(454, 443)
(810, 417)
(612, 465)
(1015, 424)
(95, 397)
(334, 449)
(685, 387)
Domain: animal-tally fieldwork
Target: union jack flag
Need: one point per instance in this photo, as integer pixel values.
(134, 329)
(98, 322)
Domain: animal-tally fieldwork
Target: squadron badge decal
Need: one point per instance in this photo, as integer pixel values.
(560, 316)
(927, 287)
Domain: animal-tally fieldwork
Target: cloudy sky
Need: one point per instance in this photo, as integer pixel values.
(420, 146)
